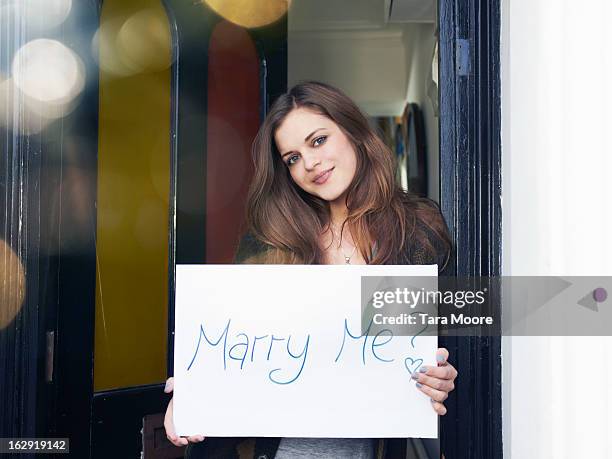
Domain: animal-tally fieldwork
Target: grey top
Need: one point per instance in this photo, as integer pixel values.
(325, 448)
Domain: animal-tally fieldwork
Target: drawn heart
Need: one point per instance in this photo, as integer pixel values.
(413, 365)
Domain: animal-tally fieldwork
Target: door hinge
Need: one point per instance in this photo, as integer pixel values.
(463, 57)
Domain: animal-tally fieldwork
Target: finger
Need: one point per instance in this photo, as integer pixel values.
(196, 438)
(182, 441)
(169, 385)
(444, 385)
(445, 372)
(169, 426)
(177, 441)
(442, 356)
(437, 395)
(438, 407)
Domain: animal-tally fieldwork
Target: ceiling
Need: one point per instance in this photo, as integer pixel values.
(374, 50)
(412, 10)
(309, 15)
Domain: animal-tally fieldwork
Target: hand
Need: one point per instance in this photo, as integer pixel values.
(437, 382)
(169, 421)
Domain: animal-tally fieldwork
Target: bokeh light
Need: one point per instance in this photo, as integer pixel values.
(47, 78)
(39, 15)
(140, 43)
(11, 117)
(47, 71)
(12, 284)
(104, 49)
(46, 14)
(144, 40)
(250, 13)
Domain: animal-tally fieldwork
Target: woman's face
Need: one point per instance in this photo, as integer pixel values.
(320, 158)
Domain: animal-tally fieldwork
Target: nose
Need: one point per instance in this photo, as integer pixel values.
(311, 160)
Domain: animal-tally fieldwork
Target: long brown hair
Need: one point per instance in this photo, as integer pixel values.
(386, 223)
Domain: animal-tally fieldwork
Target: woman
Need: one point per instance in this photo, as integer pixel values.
(324, 192)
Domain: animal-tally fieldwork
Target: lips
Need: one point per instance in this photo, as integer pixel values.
(321, 178)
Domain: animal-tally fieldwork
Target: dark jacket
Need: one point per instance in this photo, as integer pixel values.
(265, 448)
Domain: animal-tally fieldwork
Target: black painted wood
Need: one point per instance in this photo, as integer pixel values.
(72, 277)
(271, 44)
(193, 26)
(118, 419)
(20, 165)
(470, 168)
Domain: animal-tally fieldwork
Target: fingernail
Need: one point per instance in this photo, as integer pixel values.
(440, 358)
(419, 384)
(415, 375)
(166, 387)
(423, 369)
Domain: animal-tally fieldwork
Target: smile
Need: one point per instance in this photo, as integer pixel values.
(321, 178)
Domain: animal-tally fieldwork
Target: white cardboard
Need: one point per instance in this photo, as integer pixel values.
(341, 392)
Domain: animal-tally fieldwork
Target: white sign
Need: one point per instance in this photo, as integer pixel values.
(277, 351)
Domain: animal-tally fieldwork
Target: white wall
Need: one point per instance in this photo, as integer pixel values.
(368, 65)
(557, 217)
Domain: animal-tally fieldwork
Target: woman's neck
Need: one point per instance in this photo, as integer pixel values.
(338, 212)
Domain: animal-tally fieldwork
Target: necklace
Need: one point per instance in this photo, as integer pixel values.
(347, 258)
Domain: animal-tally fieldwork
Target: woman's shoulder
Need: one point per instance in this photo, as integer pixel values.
(253, 250)
(428, 239)
(250, 249)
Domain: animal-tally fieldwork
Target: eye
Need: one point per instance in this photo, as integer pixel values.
(292, 159)
(319, 140)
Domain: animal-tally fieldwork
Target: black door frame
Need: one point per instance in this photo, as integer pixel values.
(470, 182)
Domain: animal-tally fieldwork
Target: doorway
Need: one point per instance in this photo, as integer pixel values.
(54, 366)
